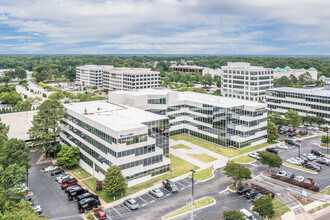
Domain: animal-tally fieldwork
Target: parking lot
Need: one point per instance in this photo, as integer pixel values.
(148, 199)
(48, 194)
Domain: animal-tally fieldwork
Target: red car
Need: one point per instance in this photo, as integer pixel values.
(309, 180)
(317, 164)
(292, 130)
(100, 214)
(69, 183)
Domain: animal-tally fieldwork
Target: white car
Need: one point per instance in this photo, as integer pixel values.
(61, 178)
(156, 192)
(310, 156)
(293, 162)
(50, 168)
(299, 159)
(254, 155)
(299, 178)
(282, 146)
(37, 209)
(281, 173)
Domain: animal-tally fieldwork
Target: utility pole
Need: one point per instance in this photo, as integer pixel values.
(192, 194)
(327, 129)
(299, 145)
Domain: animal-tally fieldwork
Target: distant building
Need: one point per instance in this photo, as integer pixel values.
(2, 71)
(188, 69)
(243, 81)
(213, 72)
(322, 78)
(117, 78)
(287, 71)
(222, 120)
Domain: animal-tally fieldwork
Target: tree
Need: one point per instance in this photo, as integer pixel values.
(237, 172)
(270, 159)
(20, 72)
(325, 139)
(293, 79)
(15, 151)
(277, 119)
(6, 79)
(264, 207)
(233, 215)
(293, 118)
(272, 131)
(68, 156)
(24, 105)
(20, 210)
(320, 120)
(57, 96)
(206, 80)
(42, 76)
(10, 98)
(284, 81)
(114, 181)
(11, 176)
(45, 126)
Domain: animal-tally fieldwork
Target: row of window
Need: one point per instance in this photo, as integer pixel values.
(307, 97)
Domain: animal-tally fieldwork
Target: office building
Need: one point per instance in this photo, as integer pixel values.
(188, 69)
(222, 120)
(306, 101)
(243, 81)
(117, 78)
(287, 71)
(109, 134)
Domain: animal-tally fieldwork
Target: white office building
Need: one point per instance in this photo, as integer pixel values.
(287, 71)
(117, 78)
(110, 134)
(224, 121)
(243, 81)
(306, 101)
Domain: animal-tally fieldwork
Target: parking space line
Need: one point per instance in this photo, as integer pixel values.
(186, 181)
(181, 184)
(168, 194)
(150, 196)
(144, 204)
(223, 191)
(126, 207)
(109, 217)
(152, 201)
(116, 211)
(167, 190)
(143, 200)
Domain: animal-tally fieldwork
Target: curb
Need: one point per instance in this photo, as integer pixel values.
(311, 172)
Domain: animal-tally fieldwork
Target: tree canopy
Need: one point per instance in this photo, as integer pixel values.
(114, 181)
(293, 118)
(15, 151)
(270, 159)
(264, 207)
(233, 215)
(68, 156)
(237, 172)
(272, 132)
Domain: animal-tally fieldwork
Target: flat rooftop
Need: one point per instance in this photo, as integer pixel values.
(116, 117)
(117, 69)
(306, 91)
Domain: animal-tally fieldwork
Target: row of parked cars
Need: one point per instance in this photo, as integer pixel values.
(85, 199)
(249, 193)
(314, 160)
(297, 178)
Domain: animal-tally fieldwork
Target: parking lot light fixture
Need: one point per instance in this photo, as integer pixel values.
(192, 194)
(299, 145)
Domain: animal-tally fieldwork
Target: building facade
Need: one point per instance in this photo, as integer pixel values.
(117, 78)
(287, 71)
(224, 121)
(188, 69)
(109, 134)
(242, 81)
(306, 101)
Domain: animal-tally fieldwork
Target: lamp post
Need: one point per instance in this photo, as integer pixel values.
(192, 194)
(299, 145)
(327, 130)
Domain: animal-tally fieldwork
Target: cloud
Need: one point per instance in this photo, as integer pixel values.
(178, 26)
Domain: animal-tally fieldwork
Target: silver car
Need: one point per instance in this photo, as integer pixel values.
(156, 192)
(281, 173)
(61, 178)
(131, 204)
(299, 178)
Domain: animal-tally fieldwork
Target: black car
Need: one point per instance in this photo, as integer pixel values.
(243, 190)
(56, 172)
(317, 153)
(272, 150)
(72, 194)
(281, 131)
(303, 132)
(293, 134)
(312, 167)
(67, 189)
(250, 194)
(87, 195)
(291, 142)
(88, 204)
(258, 196)
(170, 186)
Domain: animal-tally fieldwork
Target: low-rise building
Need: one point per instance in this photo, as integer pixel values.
(213, 72)
(188, 69)
(287, 71)
(306, 101)
(110, 134)
(224, 121)
(117, 78)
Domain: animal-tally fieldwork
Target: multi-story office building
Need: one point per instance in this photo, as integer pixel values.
(306, 101)
(117, 78)
(287, 71)
(188, 69)
(225, 121)
(240, 80)
(110, 134)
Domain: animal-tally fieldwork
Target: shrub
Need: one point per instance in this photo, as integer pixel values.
(296, 183)
(25, 96)
(44, 95)
(284, 139)
(262, 190)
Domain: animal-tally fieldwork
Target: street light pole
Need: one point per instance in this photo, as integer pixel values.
(299, 145)
(192, 194)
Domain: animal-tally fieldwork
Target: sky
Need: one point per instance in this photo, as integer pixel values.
(265, 27)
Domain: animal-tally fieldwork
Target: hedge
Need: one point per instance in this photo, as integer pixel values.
(262, 190)
(296, 183)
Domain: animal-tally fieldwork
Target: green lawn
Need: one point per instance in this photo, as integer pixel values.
(228, 152)
(198, 204)
(178, 167)
(319, 208)
(180, 146)
(203, 174)
(326, 191)
(280, 208)
(299, 167)
(205, 158)
(243, 159)
(79, 172)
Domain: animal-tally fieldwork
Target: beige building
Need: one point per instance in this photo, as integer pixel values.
(287, 71)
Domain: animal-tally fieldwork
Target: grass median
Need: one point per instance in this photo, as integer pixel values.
(326, 191)
(280, 208)
(243, 159)
(180, 146)
(299, 168)
(79, 172)
(198, 204)
(205, 158)
(203, 174)
(178, 168)
(225, 151)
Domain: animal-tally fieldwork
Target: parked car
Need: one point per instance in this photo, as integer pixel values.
(292, 130)
(281, 173)
(56, 172)
(67, 189)
(303, 132)
(310, 181)
(309, 156)
(170, 186)
(282, 131)
(37, 209)
(243, 190)
(304, 158)
(317, 164)
(69, 182)
(282, 146)
(87, 195)
(65, 176)
(250, 194)
(323, 161)
(50, 168)
(317, 153)
(131, 204)
(88, 204)
(290, 175)
(156, 192)
(291, 142)
(100, 214)
(272, 150)
(299, 178)
(247, 214)
(254, 155)
(72, 194)
(258, 196)
(311, 166)
(300, 160)
(295, 162)
(61, 176)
